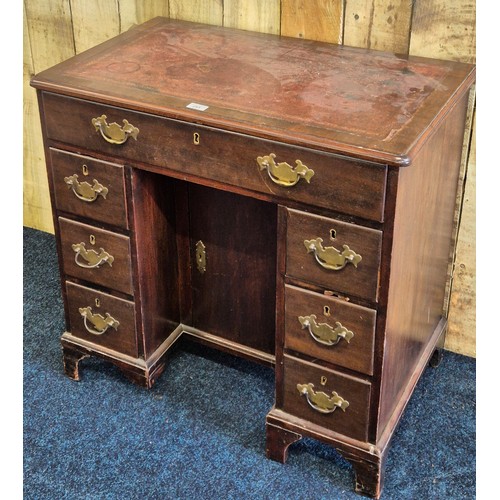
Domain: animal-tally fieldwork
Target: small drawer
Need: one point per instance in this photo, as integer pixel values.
(101, 318)
(336, 255)
(280, 171)
(327, 398)
(329, 329)
(89, 188)
(96, 255)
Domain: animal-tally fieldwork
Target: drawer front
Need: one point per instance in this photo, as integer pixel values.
(329, 329)
(96, 255)
(308, 389)
(101, 318)
(340, 184)
(316, 253)
(90, 188)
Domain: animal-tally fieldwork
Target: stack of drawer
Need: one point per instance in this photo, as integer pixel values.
(331, 283)
(95, 250)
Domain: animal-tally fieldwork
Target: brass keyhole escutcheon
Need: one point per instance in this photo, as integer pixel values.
(196, 138)
(323, 380)
(97, 302)
(92, 239)
(201, 257)
(85, 170)
(326, 311)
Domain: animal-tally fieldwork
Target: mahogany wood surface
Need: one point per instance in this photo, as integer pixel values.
(423, 225)
(116, 274)
(226, 157)
(352, 422)
(123, 338)
(357, 354)
(155, 257)
(235, 297)
(110, 208)
(361, 281)
(371, 105)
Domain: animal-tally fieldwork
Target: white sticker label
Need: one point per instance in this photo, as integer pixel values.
(198, 107)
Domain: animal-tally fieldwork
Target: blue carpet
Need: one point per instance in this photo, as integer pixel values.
(199, 433)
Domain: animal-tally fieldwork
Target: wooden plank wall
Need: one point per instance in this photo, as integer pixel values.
(55, 30)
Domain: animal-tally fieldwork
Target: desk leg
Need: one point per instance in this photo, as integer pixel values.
(369, 476)
(71, 359)
(277, 442)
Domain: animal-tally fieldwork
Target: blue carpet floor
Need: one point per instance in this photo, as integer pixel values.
(200, 433)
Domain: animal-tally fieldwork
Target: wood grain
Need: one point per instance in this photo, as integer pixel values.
(253, 15)
(420, 256)
(133, 12)
(37, 211)
(123, 338)
(361, 281)
(117, 276)
(378, 24)
(462, 312)
(357, 354)
(198, 11)
(94, 21)
(353, 422)
(50, 30)
(235, 297)
(444, 30)
(109, 209)
(313, 19)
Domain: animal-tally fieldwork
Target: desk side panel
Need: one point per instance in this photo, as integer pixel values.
(423, 226)
(154, 252)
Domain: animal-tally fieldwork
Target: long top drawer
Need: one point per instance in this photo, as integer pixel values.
(280, 171)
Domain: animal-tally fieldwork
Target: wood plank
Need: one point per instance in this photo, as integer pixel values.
(199, 11)
(253, 15)
(461, 336)
(37, 211)
(460, 194)
(313, 19)
(94, 21)
(133, 12)
(378, 24)
(444, 30)
(50, 31)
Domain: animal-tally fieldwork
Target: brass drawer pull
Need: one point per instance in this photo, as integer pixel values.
(91, 257)
(100, 323)
(320, 401)
(323, 333)
(282, 173)
(84, 191)
(113, 133)
(331, 258)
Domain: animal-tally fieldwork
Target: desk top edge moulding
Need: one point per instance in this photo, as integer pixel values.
(341, 167)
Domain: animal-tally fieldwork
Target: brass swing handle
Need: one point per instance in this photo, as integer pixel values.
(114, 133)
(91, 258)
(320, 401)
(323, 333)
(331, 258)
(100, 324)
(282, 173)
(84, 191)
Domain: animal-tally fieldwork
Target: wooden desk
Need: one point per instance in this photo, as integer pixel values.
(285, 200)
